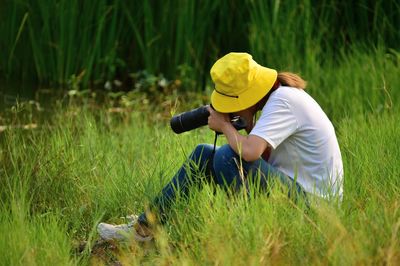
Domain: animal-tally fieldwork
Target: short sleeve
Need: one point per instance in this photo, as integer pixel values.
(276, 123)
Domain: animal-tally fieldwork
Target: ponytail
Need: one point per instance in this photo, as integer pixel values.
(291, 80)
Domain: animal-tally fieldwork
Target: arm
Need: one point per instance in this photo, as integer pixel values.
(250, 148)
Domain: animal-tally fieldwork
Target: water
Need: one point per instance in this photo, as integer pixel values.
(35, 105)
(12, 92)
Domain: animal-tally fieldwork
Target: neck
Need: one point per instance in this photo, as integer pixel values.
(263, 101)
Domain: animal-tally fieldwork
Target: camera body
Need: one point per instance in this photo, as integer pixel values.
(197, 118)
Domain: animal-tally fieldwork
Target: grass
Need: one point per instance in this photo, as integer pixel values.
(66, 167)
(87, 163)
(92, 42)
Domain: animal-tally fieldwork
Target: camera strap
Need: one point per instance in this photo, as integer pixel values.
(215, 145)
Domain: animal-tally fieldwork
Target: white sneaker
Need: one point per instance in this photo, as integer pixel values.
(121, 232)
(131, 219)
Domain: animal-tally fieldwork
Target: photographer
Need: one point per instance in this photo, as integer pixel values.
(292, 142)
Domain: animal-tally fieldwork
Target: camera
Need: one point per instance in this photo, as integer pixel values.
(197, 118)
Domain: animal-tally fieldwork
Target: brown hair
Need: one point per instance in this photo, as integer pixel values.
(285, 79)
(291, 80)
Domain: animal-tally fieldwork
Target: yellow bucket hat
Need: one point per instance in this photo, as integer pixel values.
(239, 82)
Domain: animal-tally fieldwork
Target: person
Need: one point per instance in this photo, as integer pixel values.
(292, 141)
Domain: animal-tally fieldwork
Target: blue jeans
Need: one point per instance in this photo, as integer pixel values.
(220, 168)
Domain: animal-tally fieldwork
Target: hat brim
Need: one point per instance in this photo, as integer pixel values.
(261, 85)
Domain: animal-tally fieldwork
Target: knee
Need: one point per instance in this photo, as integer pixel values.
(202, 152)
(226, 167)
(225, 155)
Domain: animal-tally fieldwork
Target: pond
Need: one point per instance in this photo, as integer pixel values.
(12, 92)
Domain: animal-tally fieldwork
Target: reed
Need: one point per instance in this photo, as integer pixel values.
(55, 42)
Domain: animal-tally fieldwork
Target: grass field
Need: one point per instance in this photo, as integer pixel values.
(86, 163)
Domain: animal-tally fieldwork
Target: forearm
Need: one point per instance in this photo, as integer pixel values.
(248, 147)
(237, 142)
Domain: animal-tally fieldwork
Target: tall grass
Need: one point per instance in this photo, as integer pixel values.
(87, 164)
(95, 41)
(25, 238)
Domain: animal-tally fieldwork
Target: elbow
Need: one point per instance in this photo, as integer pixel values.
(249, 156)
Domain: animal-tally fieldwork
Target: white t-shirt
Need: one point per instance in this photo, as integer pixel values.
(303, 141)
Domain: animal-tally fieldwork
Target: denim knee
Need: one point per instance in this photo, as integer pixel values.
(226, 166)
(202, 153)
(224, 154)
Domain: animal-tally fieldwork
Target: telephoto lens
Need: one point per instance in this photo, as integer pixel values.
(190, 120)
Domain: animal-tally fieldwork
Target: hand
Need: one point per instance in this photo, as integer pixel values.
(248, 116)
(218, 121)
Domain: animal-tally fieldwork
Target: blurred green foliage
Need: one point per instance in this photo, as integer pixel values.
(54, 42)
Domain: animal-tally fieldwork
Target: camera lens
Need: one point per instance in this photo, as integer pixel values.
(190, 120)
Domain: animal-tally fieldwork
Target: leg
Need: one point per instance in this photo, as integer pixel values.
(189, 175)
(228, 171)
(231, 171)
